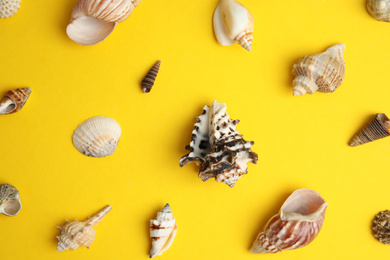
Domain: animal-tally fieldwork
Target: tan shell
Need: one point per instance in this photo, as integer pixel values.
(381, 227)
(93, 20)
(162, 231)
(148, 81)
(10, 204)
(8, 8)
(75, 234)
(298, 223)
(323, 72)
(14, 100)
(379, 9)
(377, 128)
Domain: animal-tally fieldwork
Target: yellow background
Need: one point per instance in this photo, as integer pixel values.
(301, 141)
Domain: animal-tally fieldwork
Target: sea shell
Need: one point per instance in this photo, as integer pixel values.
(377, 128)
(75, 234)
(233, 22)
(381, 227)
(323, 72)
(8, 8)
(148, 81)
(379, 9)
(97, 136)
(162, 231)
(217, 147)
(298, 223)
(93, 20)
(10, 204)
(14, 100)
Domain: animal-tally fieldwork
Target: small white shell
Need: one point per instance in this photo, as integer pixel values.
(9, 200)
(97, 136)
(8, 8)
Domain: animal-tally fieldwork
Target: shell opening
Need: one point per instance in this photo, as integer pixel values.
(7, 107)
(12, 207)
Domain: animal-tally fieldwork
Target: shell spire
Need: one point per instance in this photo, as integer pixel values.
(148, 81)
(14, 100)
(10, 204)
(377, 128)
(8, 8)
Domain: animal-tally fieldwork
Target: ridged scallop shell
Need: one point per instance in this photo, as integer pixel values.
(217, 147)
(97, 136)
(93, 20)
(148, 81)
(323, 72)
(162, 231)
(233, 22)
(379, 9)
(381, 227)
(377, 128)
(75, 234)
(14, 100)
(298, 223)
(8, 8)
(10, 204)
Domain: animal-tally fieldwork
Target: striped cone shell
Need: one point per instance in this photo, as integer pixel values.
(148, 81)
(14, 100)
(8, 8)
(298, 223)
(379, 9)
(378, 128)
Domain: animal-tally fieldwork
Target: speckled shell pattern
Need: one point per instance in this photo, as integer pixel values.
(381, 227)
(323, 72)
(14, 100)
(8, 8)
(217, 147)
(9, 200)
(379, 9)
(97, 136)
(377, 128)
(150, 78)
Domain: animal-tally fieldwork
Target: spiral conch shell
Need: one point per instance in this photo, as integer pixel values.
(8, 8)
(379, 9)
(298, 223)
(233, 22)
(162, 231)
(14, 100)
(323, 72)
(148, 82)
(75, 234)
(377, 128)
(93, 20)
(10, 204)
(217, 147)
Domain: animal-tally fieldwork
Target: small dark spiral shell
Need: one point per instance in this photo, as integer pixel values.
(377, 128)
(381, 227)
(148, 81)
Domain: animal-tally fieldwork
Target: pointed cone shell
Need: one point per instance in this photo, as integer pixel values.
(162, 231)
(8, 8)
(93, 20)
(148, 81)
(97, 136)
(14, 100)
(379, 9)
(323, 72)
(298, 223)
(75, 234)
(377, 128)
(10, 204)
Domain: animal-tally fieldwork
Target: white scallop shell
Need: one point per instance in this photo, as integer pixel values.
(8, 8)
(97, 136)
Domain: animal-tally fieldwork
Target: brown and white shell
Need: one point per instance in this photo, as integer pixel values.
(323, 72)
(8, 8)
(75, 234)
(162, 231)
(379, 9)
(381, 227)
(10, 204)
(97, 136)
(14, 100)
(93, 20)
(148, 82)
(377, 128)
(217, 147)
(298, 223)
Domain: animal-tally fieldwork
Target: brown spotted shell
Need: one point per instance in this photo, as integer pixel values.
(14, 100)
(379, 9)
(381, 227)
(8, 8)
(377, 128)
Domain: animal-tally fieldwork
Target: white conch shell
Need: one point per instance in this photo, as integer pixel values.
(10, 204)
(379, 9)
(93, 20)
(75, 234)
(298, 223)
(8, 8)
(162, 231)
(233, 22)
(14, 100)
(323, 72)
(97, 136)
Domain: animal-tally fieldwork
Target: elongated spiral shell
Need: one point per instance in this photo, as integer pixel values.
(14, 100)
(381, 227)
(10, 204)
(217, 147)
(162, 231)
(377, 128)
(379, 9)
(323, 72)
(298, 223)
(148, 81)
(8, 8)
(75, 234)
